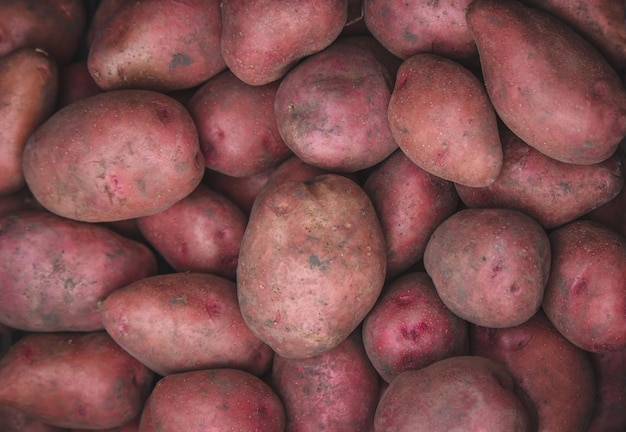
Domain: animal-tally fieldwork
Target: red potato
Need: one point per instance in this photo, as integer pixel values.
(74, 380)
(17, 201)
(28, 92)
(240, 190)
(551, 192)
(55, 271)
(55, 26)
(411, 328)
(311, 264)
(550, 86)
(237, 126)
(145, 421)
(262, 40)
(585, 297)
(75, 83)
(14, 420)
(465, 393)
(200, 233)
(216, 400)
(610, 372)
(611, 214)
(102, 14)
(113, 156)
(161, 45)
(131, 426)
(556, 375)
(489, 266)
(335, 391)
(180, 322)
(410, 204)
(450, 131)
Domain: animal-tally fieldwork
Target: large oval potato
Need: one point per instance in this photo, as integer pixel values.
(311, 265)
(113, 156)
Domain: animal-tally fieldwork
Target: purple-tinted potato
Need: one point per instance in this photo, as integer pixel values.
(489, 266)
(610, 371)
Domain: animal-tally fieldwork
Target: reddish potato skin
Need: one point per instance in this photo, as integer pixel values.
(113, 156)
(410, 204)
(56, 271)
(216, 400)
(103, 13)
(449, 131)
(262, 39)
(567, 75)
(489, 266)
(74, 380)
(55, 26)
(240, 190)
(466, 393)
(310, 246)
(543, 363)
(14, 420)
(200, 233)
(335, 391)
(551, 192)
(180, 322)
(131, 426)
(237, 126)
(610, 369)
(28, 92)
(75, 83)
(585, 297)
(410, 328)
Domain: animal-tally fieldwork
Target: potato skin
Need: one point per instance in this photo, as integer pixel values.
(311, 264)
(116, 155)
(56, 270)
(489, 266)
(14, 420)
(610, 371)
(180, 322)
(74, 380)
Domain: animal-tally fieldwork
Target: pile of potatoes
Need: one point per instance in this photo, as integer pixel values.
(376, 215)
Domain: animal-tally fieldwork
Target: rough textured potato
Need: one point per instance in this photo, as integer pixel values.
(113, 156)
(610, 372)
(335, 391)
(216, 400)
(549, 85)
(555, 374)
(585, 297)
(489, 266)
(74, 380)
(55, 271)
(158, 45)
(551, 192)
(448, 130)
(411, 328)
(180, 322)
(311, 264)
(459, 393)
(262, 39)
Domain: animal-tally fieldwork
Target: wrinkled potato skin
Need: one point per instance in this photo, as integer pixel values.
(55, 271)
(556, 375)
(116, 155)
(180, 322)
(74, 380)
(610, 369)
(311, 265)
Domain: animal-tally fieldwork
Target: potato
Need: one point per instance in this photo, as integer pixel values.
(131, 426)
(240, 190)
(55, 26)
(551, 192)
(100, 17)
(610, 372)
(332, 108)
(200, 233)
(585, 297)
(447, 130)
(116, 155)
(411, 27)
(75, 83)
(611, 213)
(28, 92)
(311, 264)
(55, 271)
(489, 266)
(411, 328)
(335, 391)
(410, 204)
(158, 45)
(14, 420)
(74, 380)
(554, 373)
(466, 393)
(180, 322)
(550, 86)
(237, 126)
(21, 200)
(263, 39)
(216, 400)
